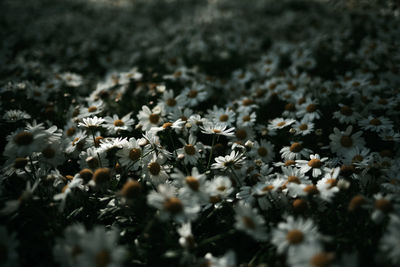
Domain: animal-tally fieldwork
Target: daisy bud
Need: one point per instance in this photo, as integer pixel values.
(102, 176)
(131, 189)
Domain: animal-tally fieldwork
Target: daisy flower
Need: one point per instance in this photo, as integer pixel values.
(227, 260)
(186, 239)
(172, 205)
(217, 129)
(190, 150)
(384, 205)
(115, 124)
(346, 114)
(219, 189)
(196, 94)
(16, 115)
(315, 164)
(52, 154)
(263, 150)
(149, 118)
(155, 171)
(344, 141)
(234, 160)
(295, 151)
(71, 79)
(67, 190)
(170, 103)
(292, 234)
(25, 142)
(93, 158)
(249, 221)
(176, 125)
(223, 116)
(304, 127)
(376, 124)
(279, 123)
(130, 154)
(309, 110)
(94, 108)
(193, 184)
(245, 119)
(244, 134)
(390, 240)
(67, 249)
(91, 123)
(327, 185)
(99, 247)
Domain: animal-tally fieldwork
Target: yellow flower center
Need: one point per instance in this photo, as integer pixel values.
(311, 108)
(383, 205)
(296, 147)
(223, 117)
(295, 236)
(375, 122)
(131, 189)
(279, 124)
(135, 153)
(92, 109)
(315, 163)
(192, 93)
(248, 222)
(173, 205)
(154, 168)
(119, 123)
(241, 134)
(20, 163)
(303, 127)
(346, 110)
(154, 118)
(86, 174)
(321, 259)
(171, 102)
(190, 149)
(102, 175)
(193, 183)
(262, 152)
(103, 258)
(23, 138)
(49, 152)
(346, 141)
(246, 118)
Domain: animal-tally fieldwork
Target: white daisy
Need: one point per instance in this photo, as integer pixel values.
(234, 160)
(292, 234)
(249, 221)
(217, 129)
(149, 118)
(315, 164)
(190, 150)
(343, 141)
(91, 123)
(115, 124)
(376, 124)
(295, 151)
(130, 155)
(170, 204)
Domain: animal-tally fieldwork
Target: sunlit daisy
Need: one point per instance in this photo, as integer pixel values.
(115, 124)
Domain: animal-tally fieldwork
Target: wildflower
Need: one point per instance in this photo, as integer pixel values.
(376, 124)
(190, 150)
(344, 141)
(234, 160)
(149, 118)
(389, 242)
(25, 142)
(291, 235)
(279, 123)
(315, 164)
(172, 205)
(304, 127)
(115, 124)
(217, 129)
(295, 151)
(249, 221)
(16, 115)
(91, 123)
(346, 114)
(263, 150)
(130, 154)
(95, 108)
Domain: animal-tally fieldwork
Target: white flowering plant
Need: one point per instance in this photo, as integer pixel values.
(200, 133)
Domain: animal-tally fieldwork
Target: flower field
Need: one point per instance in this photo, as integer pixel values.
(214, 133)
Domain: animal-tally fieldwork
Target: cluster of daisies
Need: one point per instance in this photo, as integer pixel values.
(227, 144)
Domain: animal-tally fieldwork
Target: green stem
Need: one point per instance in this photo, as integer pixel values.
(216, 237)
(211, 152)
(236, 177)
(33, 168)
